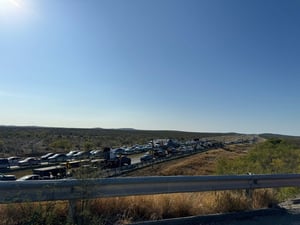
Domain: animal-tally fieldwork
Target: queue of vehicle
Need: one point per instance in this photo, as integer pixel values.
(106, 158)
(154, 149)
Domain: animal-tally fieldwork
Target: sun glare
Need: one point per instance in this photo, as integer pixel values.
(15, 3)
(10, 5)
(14, 12)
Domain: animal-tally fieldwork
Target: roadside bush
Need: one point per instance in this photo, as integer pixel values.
(274, 156)
(271, 157)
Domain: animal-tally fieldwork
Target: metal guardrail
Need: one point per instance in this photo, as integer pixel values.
(72, 189)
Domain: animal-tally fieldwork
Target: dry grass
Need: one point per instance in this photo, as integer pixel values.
(34, 213)
(123, 210)
(187, 204)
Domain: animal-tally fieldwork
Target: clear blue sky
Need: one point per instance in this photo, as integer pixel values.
(192, 65)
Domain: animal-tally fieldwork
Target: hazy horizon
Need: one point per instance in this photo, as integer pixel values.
(132, 128)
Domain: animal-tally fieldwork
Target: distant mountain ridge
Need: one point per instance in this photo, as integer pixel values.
(125, 129)
(271, 135)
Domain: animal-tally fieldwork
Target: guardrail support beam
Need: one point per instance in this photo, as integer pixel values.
(72, 211)
(70, 189)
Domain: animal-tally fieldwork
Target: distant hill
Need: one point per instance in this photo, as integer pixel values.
(270, 135)
(126, 129)
(295, 140)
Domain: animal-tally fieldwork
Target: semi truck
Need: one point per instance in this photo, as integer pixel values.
(112, 159)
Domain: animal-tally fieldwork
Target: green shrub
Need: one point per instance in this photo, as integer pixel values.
(271, 157)
(274, 156)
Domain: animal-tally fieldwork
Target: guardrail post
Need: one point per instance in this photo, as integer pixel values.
(72, 210)
(249, 191)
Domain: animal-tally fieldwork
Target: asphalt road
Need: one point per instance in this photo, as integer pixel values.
(136, 157)
(290, 215)
(287, 213)
(281, 219)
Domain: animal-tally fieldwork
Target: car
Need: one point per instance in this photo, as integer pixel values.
(4, 163)
(118, 151)
(159, 153)
(146, 157)
(128, 151)
(13, 160)
(81, 155)
(4, 177)
(29, 161)
(58, 157)
(52, 172)
(47, 156)
(172, 150)
(137, 149)
(70, 154)
(96, 153)
(29, 177)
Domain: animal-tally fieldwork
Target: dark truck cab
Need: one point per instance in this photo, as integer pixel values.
(4, 177)
(51, 172)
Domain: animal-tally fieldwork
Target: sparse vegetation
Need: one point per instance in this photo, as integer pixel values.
(61, 144)
(275, 156)
(272, 156)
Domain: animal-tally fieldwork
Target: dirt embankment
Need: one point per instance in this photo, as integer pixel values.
(199, 164)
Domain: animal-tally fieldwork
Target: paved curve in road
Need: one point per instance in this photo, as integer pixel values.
(286, 213)
(289, 216)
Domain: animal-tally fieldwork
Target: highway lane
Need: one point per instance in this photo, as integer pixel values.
(136, 158)
(255, 217)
